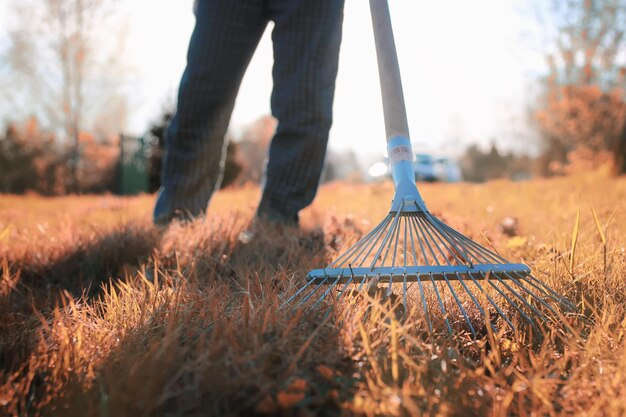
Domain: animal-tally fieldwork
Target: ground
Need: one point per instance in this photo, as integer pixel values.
(103, 315)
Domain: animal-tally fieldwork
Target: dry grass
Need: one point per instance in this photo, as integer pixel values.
(100, 315)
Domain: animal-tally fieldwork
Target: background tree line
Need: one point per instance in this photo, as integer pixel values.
(75, 87)
(32, 159)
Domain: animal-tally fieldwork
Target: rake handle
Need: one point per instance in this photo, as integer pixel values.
(394, 109)
(399, 148)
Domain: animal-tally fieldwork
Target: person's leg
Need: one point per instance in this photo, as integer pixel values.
(223, 42)
(306, 37)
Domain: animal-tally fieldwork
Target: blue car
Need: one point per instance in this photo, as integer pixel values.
(427, 168)
(424, 166)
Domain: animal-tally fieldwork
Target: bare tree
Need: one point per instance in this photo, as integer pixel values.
(253, 147)
(584, 100)
(59, 54)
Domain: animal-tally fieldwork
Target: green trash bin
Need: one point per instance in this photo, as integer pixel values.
(133, 175)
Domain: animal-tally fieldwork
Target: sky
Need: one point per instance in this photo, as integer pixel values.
(466, 70)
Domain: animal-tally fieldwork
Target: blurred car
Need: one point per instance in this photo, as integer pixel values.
(447, 170)
(427, 168)
(424, 166)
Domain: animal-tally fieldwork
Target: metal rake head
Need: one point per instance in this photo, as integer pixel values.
(437, 269)
(458, 282)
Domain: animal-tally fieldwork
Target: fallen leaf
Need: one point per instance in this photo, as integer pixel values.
(325, 371)
(5, 233)
(298, 384)
(516, 242)
(287, 399)
(508, 345)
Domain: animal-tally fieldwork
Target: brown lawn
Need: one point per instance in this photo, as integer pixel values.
(102, 315)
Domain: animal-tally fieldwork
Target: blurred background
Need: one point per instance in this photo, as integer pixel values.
(494, 89)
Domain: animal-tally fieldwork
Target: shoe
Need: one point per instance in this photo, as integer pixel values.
(179, 217)
(263, 226)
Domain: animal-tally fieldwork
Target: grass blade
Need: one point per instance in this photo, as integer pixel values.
(574, 240)
(600, 231)
(5, 233)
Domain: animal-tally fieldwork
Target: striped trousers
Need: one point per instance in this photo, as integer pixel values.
(306, 39)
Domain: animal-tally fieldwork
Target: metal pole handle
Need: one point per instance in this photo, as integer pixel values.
(389, 72)
(407, 198)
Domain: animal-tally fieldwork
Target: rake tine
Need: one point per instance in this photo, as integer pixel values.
(478, 251)
(330, 288)
(386, 239)
(430, 235)
(345, 287)
(538, 287)
(480, 308)
(458, 302)
(293, 297)
(493, 257)
(394, 236)
(405, 243)
(493, 303)
(526, 303)
(412, 242)
(404, 290)
(371, 244)
(417, 235)
(543, 287)
(532, 294)
(443, 308)
(438, 242)
(362, 283)
(420, 230)
(506, 297)
(379, 234)
(360, 244)
(395, 247)
(457, 246)
(302, 302)
(478, 256)
(424, 304)
(325, 281)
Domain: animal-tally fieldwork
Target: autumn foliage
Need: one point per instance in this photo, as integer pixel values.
(34, 160)
(583, 126)
(582, 116)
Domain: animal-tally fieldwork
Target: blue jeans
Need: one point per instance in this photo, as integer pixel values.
(306, 39)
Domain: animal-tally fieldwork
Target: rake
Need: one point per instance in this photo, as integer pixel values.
(436, 268)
